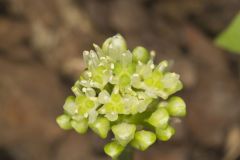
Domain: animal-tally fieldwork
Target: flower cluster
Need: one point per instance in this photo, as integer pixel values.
(125, 93)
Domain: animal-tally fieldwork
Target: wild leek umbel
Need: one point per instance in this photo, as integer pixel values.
(125, 93)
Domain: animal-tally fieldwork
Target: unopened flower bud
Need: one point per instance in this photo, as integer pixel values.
(176, 107)
(159, 118)
(113, 149)
(80, 126)
(143, 139)
(141, 54)
(64, 122)
(114, 46)
(165, 134)
(70, 106)
(124, 132)
(101, 127)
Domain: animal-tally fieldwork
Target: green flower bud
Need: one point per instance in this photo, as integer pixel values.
(101, 127)
(69, 105)
(112, 116)
(165, 134)
(80, 126)
(159, 118)
(171, 83)
(162, 104)
(64, 122)
(118, 42)
(114, 46)
(143, 104)
(113, 149)
(124, 133)
(176, 107)
(141, 54)
(143, 139)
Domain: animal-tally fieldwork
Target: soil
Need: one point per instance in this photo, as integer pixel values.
(41, 42)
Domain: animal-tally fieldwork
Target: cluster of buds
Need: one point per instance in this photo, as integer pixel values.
(124, 93)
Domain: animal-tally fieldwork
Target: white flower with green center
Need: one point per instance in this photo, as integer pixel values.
(84, 105)
(123, 92)
(113, 107)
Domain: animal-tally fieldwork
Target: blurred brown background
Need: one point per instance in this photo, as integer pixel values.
(41, 42)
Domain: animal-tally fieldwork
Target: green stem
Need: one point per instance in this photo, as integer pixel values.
(127, 154)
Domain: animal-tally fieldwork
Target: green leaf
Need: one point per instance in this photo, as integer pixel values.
(230, 38)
